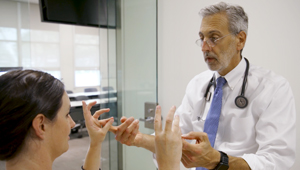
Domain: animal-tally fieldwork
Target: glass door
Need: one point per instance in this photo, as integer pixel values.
(136, 60)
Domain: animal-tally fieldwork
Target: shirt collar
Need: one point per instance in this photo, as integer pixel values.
(235, 74)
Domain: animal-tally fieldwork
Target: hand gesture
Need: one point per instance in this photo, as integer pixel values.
(97, 129)
(200, 154)
(168, 142)
(128, 132)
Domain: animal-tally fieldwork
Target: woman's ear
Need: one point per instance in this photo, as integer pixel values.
(241, 38)
(38, 125)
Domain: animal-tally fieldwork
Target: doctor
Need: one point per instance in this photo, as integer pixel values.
(242, 116)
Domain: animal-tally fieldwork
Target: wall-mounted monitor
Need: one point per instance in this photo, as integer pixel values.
(94, 13)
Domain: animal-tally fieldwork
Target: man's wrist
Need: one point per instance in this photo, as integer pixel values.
(138, 143)
(224, 162)
(215, 159)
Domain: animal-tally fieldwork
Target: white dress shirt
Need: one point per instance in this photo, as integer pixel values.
(263, 133)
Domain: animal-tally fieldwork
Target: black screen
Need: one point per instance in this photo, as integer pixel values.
(95, 13)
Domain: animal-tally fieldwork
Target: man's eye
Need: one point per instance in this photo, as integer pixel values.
(213, 39)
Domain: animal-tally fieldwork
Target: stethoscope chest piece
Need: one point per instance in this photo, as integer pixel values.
(241, 101)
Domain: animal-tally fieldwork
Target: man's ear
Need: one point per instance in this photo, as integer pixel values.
(38, 125)
(241, 38)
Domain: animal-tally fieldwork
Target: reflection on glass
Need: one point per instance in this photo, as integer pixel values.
(8, 33)
(40, 36)
(86, 39)
(86, 56)
(85, 78)
(45, 55)
(26, 55)
(25, 34)
(55, 74)
(8, 54)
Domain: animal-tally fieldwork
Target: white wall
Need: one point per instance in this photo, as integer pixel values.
(273, 43)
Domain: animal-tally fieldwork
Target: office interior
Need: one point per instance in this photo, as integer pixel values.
(149, 57)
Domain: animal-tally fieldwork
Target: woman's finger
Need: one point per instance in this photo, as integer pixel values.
(157, 120)
(104, 121)
(86, 111)
(108, 125)
(175, 126)
(90, 105)
(99, 112)
(113, 129)
(169, 119)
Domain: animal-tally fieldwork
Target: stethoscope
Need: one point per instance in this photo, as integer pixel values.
(240, 101)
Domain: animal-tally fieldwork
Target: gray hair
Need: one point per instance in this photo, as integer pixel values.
(237, 18)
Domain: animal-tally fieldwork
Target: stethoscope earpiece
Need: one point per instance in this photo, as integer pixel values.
(241, 102)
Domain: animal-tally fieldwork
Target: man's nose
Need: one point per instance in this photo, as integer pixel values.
(205, 46)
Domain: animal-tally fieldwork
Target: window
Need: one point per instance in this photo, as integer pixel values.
(8, 47)
(34, 48)
(86, 57)
(85, 78)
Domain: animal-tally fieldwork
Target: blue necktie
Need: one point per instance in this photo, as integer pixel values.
(212, 120)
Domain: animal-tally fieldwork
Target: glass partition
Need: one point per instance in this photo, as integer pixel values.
(108, 64)
(77, 55)
(136, 72)
(116, 65)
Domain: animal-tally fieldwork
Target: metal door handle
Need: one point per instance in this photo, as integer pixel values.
(148, 119)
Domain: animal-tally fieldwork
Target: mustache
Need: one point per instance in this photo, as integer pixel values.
(210, 55)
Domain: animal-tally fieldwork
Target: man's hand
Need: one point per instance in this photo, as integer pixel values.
(168, 142)
(128, 132)
(200, 154)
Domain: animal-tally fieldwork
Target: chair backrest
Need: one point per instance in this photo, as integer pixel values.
(79, 98)
(69, 91)
(107, 88)
(90, 90)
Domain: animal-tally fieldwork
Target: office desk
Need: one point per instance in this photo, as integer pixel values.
(94, 95)
(99, 102)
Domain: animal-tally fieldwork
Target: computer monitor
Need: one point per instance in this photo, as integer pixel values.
(94, 13)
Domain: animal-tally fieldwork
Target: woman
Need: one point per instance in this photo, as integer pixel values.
(168, 142)
(35, 122)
